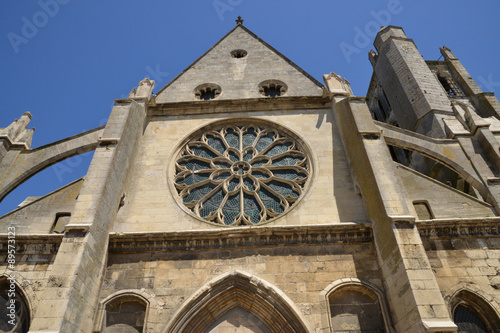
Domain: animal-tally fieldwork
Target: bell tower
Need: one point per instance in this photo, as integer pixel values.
(417, 99)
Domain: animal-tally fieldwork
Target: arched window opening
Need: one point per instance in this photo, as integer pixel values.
(356, 309)
(399, 155)
(449, 85)
(472, 313)
(125, 315)
(272, 88)
(441, 173)
(468, 321)
(446, 86)
(239, 53)
(207, 92)
(14, 309)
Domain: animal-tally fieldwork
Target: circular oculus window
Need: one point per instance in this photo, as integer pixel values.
(239, 174)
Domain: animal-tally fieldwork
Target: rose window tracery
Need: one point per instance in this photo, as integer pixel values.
(241, 174)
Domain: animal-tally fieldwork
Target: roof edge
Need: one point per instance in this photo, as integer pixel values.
(309, 76)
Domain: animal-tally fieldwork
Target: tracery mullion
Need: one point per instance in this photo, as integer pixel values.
(264, 133)
(279, 196)
(215, 134)
(204, 145)
(262, 206)
(290, 153)
(288, 175)
(277, 142)
(220, 214)
(240, 143)
(297, 168)
(294, 186)
(195, 187)
(242, 199)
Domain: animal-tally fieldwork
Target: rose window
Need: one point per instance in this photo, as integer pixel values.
(241, 175)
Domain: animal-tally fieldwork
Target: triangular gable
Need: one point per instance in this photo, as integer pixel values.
(239, 77)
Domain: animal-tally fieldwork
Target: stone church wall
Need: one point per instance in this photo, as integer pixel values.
(301, 272)
(150, 202)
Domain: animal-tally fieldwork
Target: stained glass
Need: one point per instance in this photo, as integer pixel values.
(209, 173)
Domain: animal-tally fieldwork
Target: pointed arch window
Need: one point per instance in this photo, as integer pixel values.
(468, 321)
(472, 313)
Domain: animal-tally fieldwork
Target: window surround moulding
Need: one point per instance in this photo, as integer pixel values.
(358, 285)
(148, 300)
(207, 88)
(265, 86)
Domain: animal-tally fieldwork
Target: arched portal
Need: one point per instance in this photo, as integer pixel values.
(238, 298)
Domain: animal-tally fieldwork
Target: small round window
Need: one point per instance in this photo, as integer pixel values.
(241, 173)
(272, 88)
(207, 91)
(239, 53)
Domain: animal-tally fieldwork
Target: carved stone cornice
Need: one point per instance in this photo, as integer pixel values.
(283, 103)
(239, 238)
(32, 244)
(453, 228)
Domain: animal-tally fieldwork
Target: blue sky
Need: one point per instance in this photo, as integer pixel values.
(66, 61)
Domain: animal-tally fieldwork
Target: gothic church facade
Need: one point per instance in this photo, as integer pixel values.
(246, 196)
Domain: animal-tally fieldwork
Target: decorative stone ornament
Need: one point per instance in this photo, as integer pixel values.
(207, 91)
(272, 88)
(241, 174)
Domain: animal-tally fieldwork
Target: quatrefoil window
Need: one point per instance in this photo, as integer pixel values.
(241, 174)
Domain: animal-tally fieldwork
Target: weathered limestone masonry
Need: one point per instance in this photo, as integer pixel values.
(69, 299)
(412, 290)
(485, 102)
(246, 196)
(16, 135)
(417, 98)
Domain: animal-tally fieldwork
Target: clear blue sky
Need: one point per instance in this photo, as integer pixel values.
(66, 61)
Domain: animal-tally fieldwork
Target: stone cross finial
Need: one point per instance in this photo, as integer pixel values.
(239, 20)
